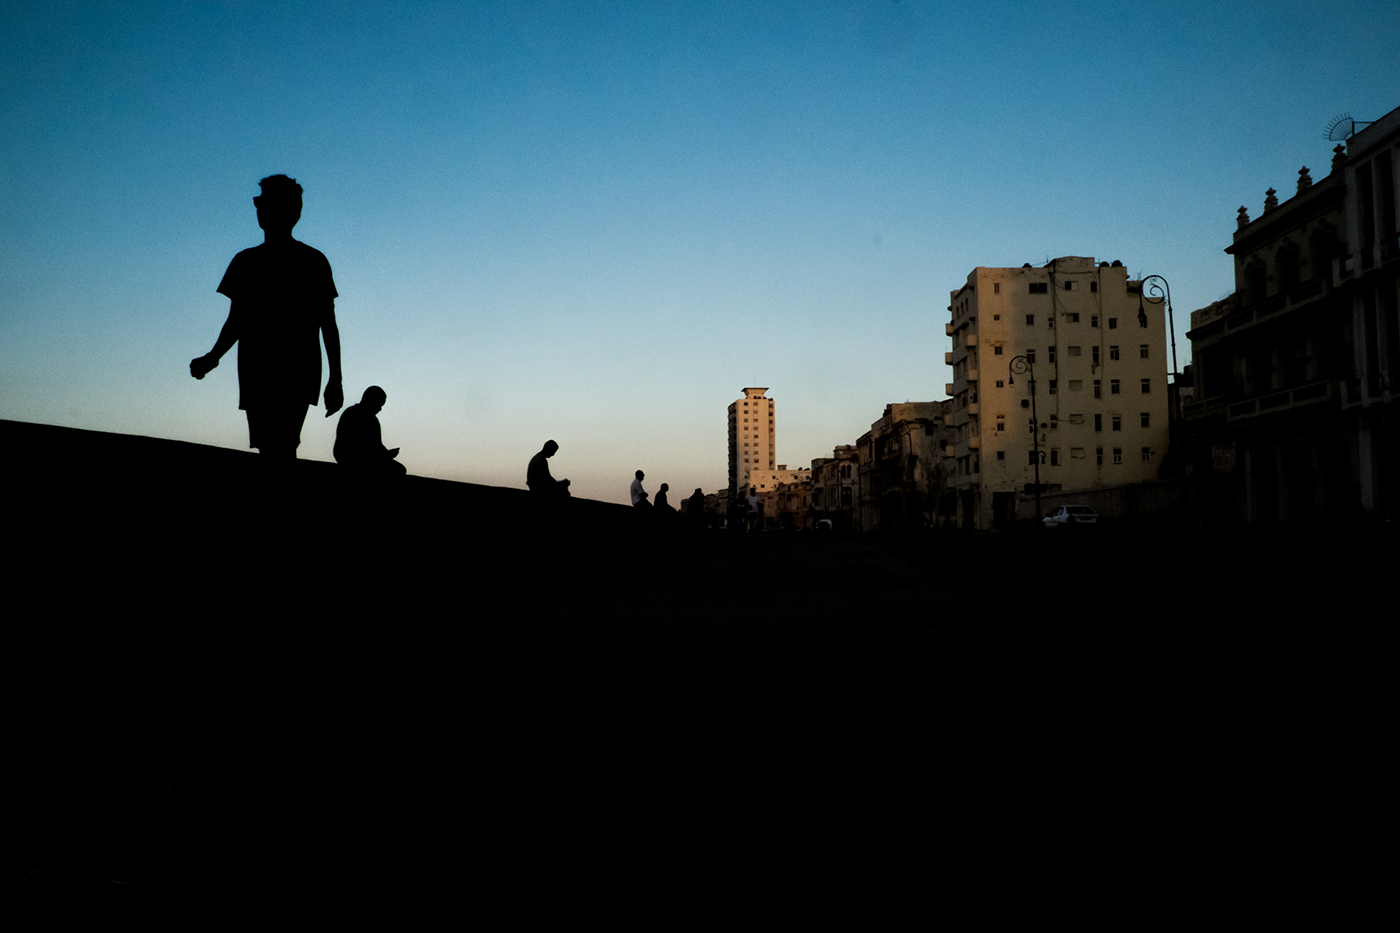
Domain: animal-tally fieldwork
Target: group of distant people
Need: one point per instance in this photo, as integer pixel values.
(694, 506)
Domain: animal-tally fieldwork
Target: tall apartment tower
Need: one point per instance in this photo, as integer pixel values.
(750, 437)
(1100, 366)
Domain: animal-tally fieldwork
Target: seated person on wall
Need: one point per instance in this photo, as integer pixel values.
(538, 479)
(357, 440)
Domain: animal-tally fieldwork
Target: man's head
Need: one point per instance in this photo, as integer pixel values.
(279, 205)
(374, 399)
(550, 448)
(640, 474)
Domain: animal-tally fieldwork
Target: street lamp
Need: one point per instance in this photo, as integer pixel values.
(1157, 292)
(1022, 364)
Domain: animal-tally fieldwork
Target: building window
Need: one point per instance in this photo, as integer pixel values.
(1001, 425)
(1094, 354)
(1076, 351)
(1098, 388)
(1030, 458)
(1098, 422)
(1030, 356)
(1052, 353)
(996, 317)
(1050, 320)
(1142, 351)
(1112, 352)
(1054, 422)
(1113, 323)
(1025, 402)
(1142, 321)
(1055, 456)
(996, 351)
(1039, 288)
(1030, 425)
(1113, 387)
(1030, 318)
(1098, 455)
(1076, 417)
(1146, 386)
(1076, 453)
(1093, 287)
(1117, 422)
(1146, 420)
(1001, 455)
(1093, 318)
(996, 288)
(1053, 385)
(1069, 286)
(1074, 318)
(1076, 385)
(1001, 383)
(1147, 455)
(1117, 455)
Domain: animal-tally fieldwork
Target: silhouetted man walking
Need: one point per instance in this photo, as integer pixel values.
(282, 304)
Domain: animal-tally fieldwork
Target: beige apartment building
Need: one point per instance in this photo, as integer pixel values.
(751, 433)
(1098, 351)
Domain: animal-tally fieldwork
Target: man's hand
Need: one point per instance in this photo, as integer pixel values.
(200, 365)
(393, 453)
(335, 397)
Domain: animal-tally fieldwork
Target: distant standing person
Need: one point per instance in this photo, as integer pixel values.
(282, 305)
(755, 510)
(537, 476)
(358, 442)
(639, 495)
(695, 509)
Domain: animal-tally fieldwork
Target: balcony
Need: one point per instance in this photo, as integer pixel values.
(971, 340)
(948, 358)
(974, 408)
(972, 375)
(949, 328)
(947, 388)
(1287, 400)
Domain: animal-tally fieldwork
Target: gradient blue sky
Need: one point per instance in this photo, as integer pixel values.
(597, 222)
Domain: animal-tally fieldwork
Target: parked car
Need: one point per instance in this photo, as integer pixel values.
(1071, 515)
(824, 524)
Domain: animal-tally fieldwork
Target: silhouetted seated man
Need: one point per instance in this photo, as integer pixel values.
(640, 499)
(282, 304)
(538, 479)
(357, 439)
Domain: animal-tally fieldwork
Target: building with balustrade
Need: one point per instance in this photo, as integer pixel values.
(1293, 416)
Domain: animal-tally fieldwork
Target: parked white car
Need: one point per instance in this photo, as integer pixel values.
(1071, 515)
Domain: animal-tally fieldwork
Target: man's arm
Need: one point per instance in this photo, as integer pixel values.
(228, 336)
(335, 395)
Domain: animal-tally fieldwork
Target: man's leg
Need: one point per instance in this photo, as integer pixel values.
(276, 430)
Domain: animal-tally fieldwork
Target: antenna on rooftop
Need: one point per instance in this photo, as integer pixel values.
(1343, 127)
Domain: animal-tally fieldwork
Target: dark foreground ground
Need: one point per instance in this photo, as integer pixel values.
(248, 699)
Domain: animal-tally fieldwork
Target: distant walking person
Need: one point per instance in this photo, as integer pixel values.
(755, 511)
(537, 476)
(358, 443)
(282, 305)
(639, 495)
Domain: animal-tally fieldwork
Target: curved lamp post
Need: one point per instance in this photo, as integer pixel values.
(1157, 292)
(1021, 364)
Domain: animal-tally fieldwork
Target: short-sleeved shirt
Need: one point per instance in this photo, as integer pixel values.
(281, 296)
